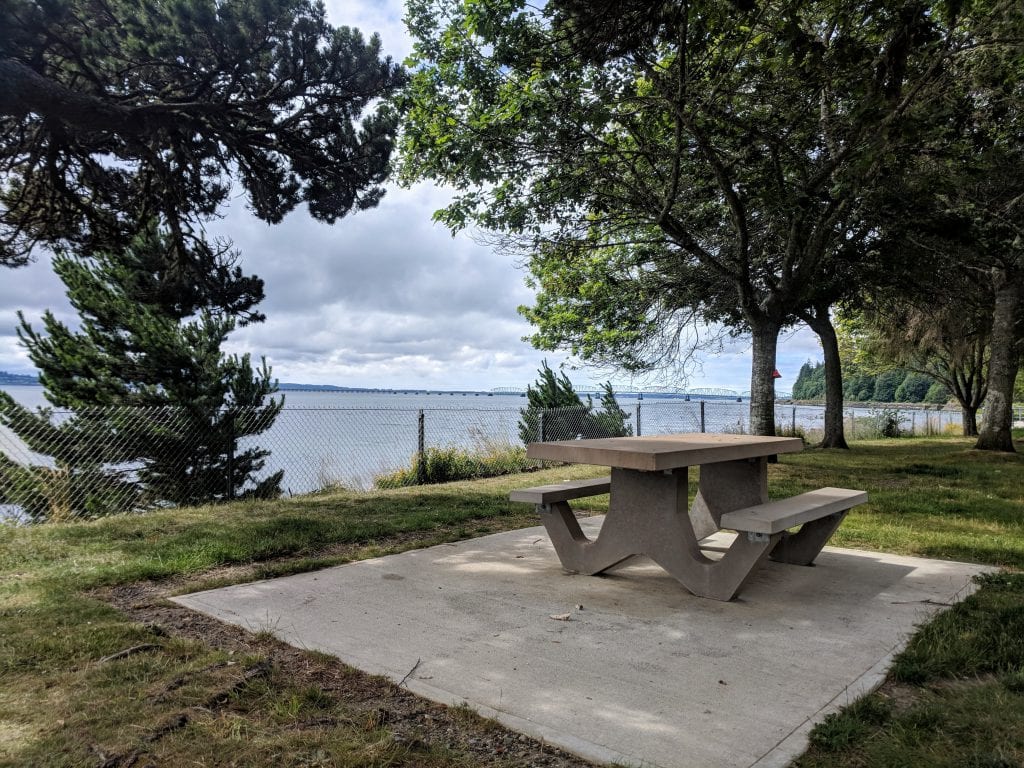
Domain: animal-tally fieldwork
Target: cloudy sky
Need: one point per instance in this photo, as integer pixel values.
(383, 298)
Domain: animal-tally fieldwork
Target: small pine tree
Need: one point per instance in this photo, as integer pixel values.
(158, 409)
(610, 420)
(556, 412)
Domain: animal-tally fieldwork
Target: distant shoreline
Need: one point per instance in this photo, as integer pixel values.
(19, 380)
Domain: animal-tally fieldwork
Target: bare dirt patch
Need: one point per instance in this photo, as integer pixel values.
(372, 700)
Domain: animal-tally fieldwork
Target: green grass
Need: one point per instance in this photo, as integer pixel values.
(60, 705)
(932, 497)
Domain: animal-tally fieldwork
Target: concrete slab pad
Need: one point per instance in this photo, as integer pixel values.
(643, 673)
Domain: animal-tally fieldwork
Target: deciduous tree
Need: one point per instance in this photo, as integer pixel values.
(728, 143)
(953, 296)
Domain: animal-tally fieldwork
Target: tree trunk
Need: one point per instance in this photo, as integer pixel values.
(821, 324)
(969, 419)
(762, 384)
(997, 418)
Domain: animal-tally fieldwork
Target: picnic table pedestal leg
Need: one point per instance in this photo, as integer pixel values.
(727, 486)
(802, 546)
(648, 515)
(575, 551)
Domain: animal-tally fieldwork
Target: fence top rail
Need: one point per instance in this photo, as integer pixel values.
(377, 408)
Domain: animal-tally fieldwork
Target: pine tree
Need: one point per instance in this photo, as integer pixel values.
(157, 409)
(556, 412)
(610, 420)
(117, 111)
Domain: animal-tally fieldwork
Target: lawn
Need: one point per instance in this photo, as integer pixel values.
(96, 668)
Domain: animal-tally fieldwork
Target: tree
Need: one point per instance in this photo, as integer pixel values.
(158, 409)
(115, 113)
(886, 384)
(937, 394)
(938, 331)
(858, 386)
(819, 319)
(608, 306)
(556, 412)
(913, 388)
(610, 419)
(960, 205)
(727, 144)
(991, 195)
(810, 382)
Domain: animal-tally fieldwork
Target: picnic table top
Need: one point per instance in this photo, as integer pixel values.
(663, 452)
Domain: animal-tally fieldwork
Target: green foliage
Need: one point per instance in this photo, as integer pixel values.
(841, 729)
(607, 305)
(885, 422)
(659, 166)
(556, 412)
(937, 394)
(914, 388)
(445, 465)
(157, 409)
(859, 387)
(119, 111)
(886, 384)
(610, 419)
(810, 382)
(889, 386)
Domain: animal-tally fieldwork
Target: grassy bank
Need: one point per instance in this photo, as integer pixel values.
(85, 683)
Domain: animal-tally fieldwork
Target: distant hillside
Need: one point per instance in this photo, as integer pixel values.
(18, 378)
(287, 385)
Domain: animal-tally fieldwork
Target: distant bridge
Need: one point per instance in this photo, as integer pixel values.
(625, 389)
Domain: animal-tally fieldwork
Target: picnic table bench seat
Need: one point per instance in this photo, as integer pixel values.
(776, 516)
(818, 513)
(567, 490)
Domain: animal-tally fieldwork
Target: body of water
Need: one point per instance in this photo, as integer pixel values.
(326, 438)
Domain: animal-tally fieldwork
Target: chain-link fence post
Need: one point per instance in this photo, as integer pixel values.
(421, 454)
(702, 423)
(852, 430)
(794, 421)
(540, 427)
(231, 457)
(638, 433)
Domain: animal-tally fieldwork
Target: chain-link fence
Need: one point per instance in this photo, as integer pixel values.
(62, 465)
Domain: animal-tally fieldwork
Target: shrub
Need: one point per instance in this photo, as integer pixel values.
(445, 465)
(887, 422)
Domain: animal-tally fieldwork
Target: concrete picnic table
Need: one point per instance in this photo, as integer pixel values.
(649, 513)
